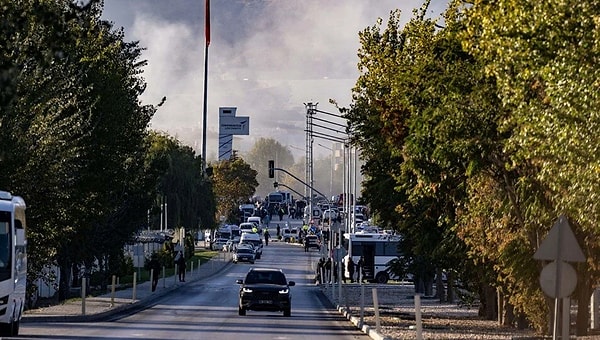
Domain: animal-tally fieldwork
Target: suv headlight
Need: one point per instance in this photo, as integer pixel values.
(246, 290)
(284, 291)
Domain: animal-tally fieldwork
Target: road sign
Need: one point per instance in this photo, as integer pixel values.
(560, 244)
(339, 253)
(548, 279)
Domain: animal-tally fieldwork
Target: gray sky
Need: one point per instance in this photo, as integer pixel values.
(266, 57)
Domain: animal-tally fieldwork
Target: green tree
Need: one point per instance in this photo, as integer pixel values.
(543, 56)
(70, 110)
(234, 183)
(180, 184)
(427, 116)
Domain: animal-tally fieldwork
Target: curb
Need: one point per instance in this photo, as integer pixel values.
(368, 330)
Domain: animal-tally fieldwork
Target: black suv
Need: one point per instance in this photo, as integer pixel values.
(265, 289)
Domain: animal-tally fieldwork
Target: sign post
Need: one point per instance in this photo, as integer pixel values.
(558, 279)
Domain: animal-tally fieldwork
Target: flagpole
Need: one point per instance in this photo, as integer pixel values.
(204, 114)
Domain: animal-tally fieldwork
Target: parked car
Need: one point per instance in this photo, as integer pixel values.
(265, 289)
(244, 254)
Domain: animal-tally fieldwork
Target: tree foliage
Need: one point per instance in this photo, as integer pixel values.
(180, 184)
(486, 130)
(544, 56)
(234, 183)
(76, 138)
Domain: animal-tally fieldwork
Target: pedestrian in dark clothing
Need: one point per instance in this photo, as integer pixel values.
(335, 272)
(267, 236)
(361, 268)
(180, 261)
(278, 231)
(328, 270)
(321, 270)
(154, 268)
(306, 244)
(281, 213)
(351, 266)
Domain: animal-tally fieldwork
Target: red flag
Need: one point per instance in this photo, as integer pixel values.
(207, 20)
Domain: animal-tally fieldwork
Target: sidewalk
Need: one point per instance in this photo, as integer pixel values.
(104, 306)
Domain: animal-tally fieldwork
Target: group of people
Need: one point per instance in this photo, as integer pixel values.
(329, 269)
(358, 268)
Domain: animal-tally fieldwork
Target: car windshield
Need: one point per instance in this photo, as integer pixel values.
(266, 277)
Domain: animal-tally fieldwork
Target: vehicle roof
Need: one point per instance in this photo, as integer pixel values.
(261, 269)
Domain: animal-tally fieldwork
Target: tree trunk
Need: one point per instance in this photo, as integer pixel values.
(508, 319)
(583, 295)
(488, 306)
(64, 283)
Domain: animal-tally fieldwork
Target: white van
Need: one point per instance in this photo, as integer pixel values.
(253, 239)
(256, 220)
(246, 227)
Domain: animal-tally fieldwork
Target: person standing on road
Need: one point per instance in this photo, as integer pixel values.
(180, 261)
(154, 267)
(320, 271)
(328, 277)
(267, 236)
(361, 270)
(351, 266)
(278, 230)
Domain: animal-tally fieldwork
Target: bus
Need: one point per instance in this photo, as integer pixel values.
(13, 262)
(377, 251)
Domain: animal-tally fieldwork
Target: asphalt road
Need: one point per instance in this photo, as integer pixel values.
(207, 309)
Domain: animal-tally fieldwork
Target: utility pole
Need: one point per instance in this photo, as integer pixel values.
(310, 112)
(205, 106)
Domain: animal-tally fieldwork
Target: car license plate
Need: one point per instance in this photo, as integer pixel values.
(265, 302)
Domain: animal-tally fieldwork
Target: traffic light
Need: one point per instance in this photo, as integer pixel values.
(275, 185)
(271, 169)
